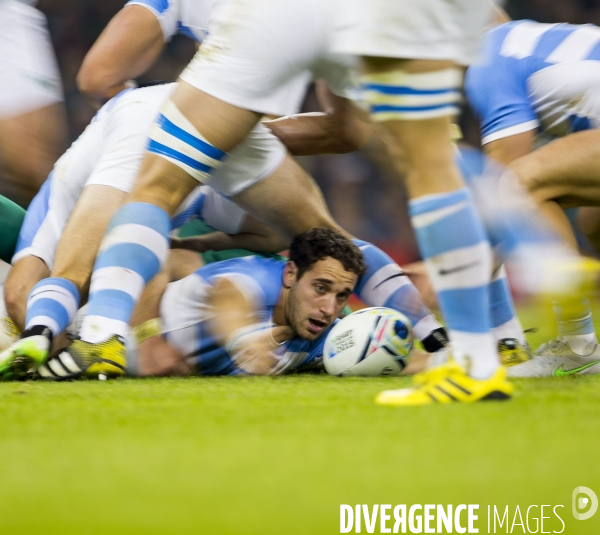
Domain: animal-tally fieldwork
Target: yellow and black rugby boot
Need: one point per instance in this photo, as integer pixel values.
(448, 383)
(84, 359)
(513, 352)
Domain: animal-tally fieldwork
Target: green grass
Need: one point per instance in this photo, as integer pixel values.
(279, 455)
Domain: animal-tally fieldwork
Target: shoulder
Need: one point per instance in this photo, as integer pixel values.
(158, 7)
(260, 277)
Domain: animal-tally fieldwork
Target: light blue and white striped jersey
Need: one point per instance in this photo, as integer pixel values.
(185, 315)
(187, 17)
(536, 76)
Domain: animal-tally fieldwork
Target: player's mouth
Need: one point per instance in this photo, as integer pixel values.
(316, 326)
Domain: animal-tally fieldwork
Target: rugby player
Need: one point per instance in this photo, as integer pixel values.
(412, 55)
(33, 131)
(243, 316)
(256, 60)
(543, 79)
(97, 172)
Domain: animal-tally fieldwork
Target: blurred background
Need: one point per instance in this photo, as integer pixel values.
(363, 198)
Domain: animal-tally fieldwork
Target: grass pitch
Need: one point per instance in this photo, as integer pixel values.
(279, 455)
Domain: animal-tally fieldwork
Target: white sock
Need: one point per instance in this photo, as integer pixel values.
(482, 346)
(511, 329)
(582, 344)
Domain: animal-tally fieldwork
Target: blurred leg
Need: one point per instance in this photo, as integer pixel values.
(29, 146)
(22, 277)
(452, 239)
(193, 133)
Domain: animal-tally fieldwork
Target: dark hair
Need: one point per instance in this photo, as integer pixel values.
(319, 243)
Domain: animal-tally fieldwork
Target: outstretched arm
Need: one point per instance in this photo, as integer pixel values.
(253, 236)
(127, 47)
(235, 326)
(338, 129)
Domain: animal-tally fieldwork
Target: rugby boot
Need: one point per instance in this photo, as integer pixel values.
(84, 359)
(448, 383)
(556, 359)
(513, 352)
(22, 358)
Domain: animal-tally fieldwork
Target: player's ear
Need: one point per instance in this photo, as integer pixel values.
(289, 273)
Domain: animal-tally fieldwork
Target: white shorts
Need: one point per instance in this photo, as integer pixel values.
(411, 29)
(259, 155)
(110, 153)
(260, 55)
(29, 77)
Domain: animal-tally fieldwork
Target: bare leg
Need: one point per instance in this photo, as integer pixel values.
(423, 148)
(29, 146)
(451, 237)
(289, 200)
(164, 184)
(567, 172)
(77, 248)
(22, 277)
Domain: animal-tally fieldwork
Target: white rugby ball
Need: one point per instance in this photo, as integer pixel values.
(371, 341)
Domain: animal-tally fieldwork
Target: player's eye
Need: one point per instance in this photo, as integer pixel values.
(320, 288)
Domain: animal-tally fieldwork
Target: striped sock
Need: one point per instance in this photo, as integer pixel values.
(505, 322)
(399, 96)
(458, 257)
(52, 303)
(132, 252)
(385, 285)
(175, 138)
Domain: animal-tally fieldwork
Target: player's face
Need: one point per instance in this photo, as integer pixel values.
(317, 297)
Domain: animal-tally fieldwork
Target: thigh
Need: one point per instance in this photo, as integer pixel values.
(29, 145)
(258, 156)
(566, 170)
(288, 199)
(32, 117)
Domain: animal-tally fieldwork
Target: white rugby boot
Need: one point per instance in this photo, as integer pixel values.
(556, 359)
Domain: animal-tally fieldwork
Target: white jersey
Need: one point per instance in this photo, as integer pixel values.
(186, 17)
(536, 76)
(110, 152)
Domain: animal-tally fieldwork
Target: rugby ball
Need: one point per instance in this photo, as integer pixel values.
(372, 341)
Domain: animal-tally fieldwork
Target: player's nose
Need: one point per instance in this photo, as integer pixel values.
(327, 307)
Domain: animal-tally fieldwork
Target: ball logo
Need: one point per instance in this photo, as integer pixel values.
(343, 341)
(585, 503)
